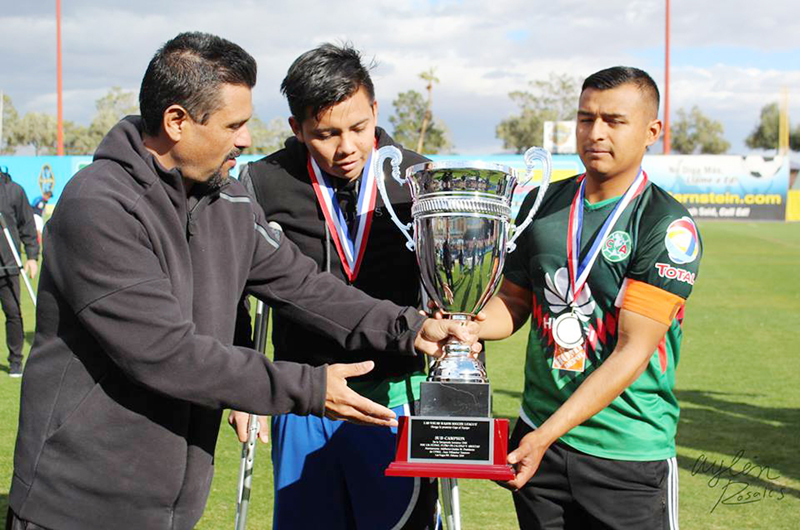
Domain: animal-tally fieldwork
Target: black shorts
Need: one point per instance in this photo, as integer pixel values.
(574, 490)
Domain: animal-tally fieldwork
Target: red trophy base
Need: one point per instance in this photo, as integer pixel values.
(466, 448)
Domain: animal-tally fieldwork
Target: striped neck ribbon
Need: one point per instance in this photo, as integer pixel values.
(350, 249)
(579, 270)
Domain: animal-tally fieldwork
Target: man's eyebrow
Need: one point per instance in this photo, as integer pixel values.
(335, 129)
(240, 122)
(361, 122)
(326, 129)
(604, 115)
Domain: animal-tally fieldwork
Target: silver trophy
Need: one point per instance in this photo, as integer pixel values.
(461, 232)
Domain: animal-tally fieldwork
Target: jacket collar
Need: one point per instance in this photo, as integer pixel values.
(124, 145)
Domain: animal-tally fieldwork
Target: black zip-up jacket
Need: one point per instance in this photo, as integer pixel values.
(282, 186)
(19, 218)
(132, 362)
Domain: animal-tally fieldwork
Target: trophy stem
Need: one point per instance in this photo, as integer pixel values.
(455, 348)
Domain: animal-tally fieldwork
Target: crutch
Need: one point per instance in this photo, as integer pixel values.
(451, 506)
(249, 447)
(15, 252)
(451, 503)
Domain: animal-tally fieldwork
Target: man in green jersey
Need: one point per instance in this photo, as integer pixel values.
(604, 272)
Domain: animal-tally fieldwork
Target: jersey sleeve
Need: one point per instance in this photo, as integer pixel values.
(668, 255)
(517, 267)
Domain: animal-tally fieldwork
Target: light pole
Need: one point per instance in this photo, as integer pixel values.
(2, 110)
(60, 115)
(666, 88)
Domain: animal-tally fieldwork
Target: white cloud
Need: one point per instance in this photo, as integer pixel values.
(482, 50)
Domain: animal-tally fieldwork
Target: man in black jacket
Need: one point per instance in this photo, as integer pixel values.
(321, 189)
(18, 215)
(149, 251)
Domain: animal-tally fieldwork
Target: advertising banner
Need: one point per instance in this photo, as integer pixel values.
(559, 137)
(722, 186)
(710, 186)
(37, 174)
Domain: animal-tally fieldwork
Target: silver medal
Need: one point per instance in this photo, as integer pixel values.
(568, 331)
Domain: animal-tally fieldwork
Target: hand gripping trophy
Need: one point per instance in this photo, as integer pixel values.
(461, 232)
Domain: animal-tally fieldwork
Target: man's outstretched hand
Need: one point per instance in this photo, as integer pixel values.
(342, 403)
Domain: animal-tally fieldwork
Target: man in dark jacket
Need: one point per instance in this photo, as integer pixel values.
(18, 215)
(149, 251)
(321, 189)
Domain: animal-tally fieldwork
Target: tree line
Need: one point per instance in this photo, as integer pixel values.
(692, 132)
(413, 122)
(38, 129)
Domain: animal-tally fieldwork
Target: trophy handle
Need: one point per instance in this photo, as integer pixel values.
(393, 153)
(531, 156)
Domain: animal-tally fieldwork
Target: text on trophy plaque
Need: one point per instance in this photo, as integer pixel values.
(449, 439)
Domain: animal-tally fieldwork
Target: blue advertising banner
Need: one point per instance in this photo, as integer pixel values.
(37, 174)
(722, 186)
(710, 186)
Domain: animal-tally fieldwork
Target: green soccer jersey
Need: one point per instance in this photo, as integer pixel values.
(653, 241)
(392, 392)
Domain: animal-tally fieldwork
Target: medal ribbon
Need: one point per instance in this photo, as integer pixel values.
(579, 271)
(351, 253)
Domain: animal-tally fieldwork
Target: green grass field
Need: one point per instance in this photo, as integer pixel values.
(737, 382)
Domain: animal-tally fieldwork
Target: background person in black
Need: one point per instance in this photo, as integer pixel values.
(334, 117)
(39, 204)
(19, 218)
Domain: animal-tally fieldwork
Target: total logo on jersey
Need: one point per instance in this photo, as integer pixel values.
(665, 270)
(682, 241)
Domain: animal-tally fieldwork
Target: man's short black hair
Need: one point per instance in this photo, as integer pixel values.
(188, 71)
(621, 75)
(323, 77)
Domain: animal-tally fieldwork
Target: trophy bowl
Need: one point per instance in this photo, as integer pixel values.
(462, 231)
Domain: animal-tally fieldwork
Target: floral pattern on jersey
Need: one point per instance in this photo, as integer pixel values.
(559, 296)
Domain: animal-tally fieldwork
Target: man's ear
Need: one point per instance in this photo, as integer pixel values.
(375, 110)
(653, 131)
(174, 121)
(297, 128)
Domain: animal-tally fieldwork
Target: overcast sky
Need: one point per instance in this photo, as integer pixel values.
(728, 57)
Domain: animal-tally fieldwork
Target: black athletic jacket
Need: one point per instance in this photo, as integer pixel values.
(282, 186)
(132, 362)
(19, 218)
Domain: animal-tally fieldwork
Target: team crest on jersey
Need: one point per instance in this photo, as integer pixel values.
(682, 241)
(617, 246)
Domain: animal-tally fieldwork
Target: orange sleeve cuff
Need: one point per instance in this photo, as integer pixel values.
(651, 301)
